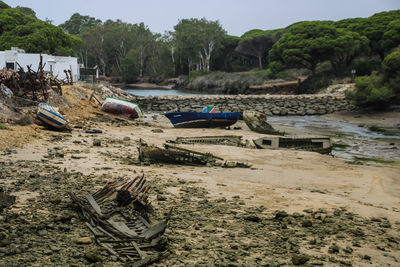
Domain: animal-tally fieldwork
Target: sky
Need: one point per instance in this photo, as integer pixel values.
(235, 16)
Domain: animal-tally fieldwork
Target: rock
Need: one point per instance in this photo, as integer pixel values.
(84, 240)
(306, 223)
(252, 218)
(299, 259)
(333, 249)
(93, 256)
(42, 232)
(161, 197)
(157, 130)
(96, 142)
(280, 215)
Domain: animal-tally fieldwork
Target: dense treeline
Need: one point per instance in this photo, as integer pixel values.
(323, 49)
(19, 27)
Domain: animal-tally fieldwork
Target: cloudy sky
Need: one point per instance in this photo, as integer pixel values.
(236, 16)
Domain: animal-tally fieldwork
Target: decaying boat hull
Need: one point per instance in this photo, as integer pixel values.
(229, 140)
(318, 144)
(257, 122)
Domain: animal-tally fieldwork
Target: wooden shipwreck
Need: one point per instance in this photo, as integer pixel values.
(257, 122)
(177, 155)
(318, 144)
(228, 140)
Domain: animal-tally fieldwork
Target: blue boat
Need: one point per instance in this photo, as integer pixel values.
(206, 119)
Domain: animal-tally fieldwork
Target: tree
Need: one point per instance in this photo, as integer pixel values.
(33, 35)
(196, 40)
(345, 46)
(3, 5)
(391, 38)
(226, 55)
(374, 29)
(305, 45)
(26, 11)
(78, 23)
(391, 71)
(257, 43)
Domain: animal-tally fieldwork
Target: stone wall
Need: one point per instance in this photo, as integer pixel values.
(269, 104)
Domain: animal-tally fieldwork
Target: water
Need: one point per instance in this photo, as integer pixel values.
(351, 141)
(155, 92)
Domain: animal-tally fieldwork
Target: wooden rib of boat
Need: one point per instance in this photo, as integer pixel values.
(121, 107)
(50, 115)
(318, 144)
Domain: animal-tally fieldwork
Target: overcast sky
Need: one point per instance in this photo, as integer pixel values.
(235, 16)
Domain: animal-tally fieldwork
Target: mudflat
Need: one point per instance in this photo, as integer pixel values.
(290, 208)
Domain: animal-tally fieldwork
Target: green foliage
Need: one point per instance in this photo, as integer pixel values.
(257, 43)
(33, 35)
(78, 23)
(371, 92)
(196, 40)
(306, 44)
(26, 11)
(391, 71)
(129, 67)
(3, 5)
(374, 28)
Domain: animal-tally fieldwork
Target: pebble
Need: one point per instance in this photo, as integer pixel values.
(84, 240)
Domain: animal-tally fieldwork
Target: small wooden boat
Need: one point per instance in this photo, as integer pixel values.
(257, 122)
(318, 144)
(206, 119)
(121, 107)
(50, 115)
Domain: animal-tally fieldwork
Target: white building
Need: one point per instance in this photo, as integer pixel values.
(53, 64)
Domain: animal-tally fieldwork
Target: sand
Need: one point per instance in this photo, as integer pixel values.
(285, 180)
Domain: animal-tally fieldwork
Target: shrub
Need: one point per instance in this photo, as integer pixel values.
(371, 92)
(315, 83)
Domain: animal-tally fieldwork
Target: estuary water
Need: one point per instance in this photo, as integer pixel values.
(143, 92)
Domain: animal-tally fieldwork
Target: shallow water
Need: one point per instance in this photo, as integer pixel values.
(155, 92)
(351, 142)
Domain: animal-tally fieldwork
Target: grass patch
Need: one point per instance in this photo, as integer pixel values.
(340, 146)
(4, 127)
(376, 160)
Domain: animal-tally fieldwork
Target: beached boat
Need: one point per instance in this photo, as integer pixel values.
(257, 122)
(50, 115)
(320, 144)
(121, 107)
(208, 118)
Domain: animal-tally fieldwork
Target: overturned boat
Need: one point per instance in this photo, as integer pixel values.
(320, 144)
(208, 118)
(257, 122)
(50, 115)
(122, 108)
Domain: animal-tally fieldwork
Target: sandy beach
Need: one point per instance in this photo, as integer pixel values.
(334, 212)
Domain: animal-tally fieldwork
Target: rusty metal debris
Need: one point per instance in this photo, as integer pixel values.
(228, 140)
(33, 85)
(320, 144)
(117, 218)
(178, 155)
(257, 122)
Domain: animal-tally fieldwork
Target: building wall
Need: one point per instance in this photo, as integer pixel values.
(54, 64)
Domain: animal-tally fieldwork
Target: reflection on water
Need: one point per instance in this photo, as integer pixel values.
(155, 92)
(352, 141)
